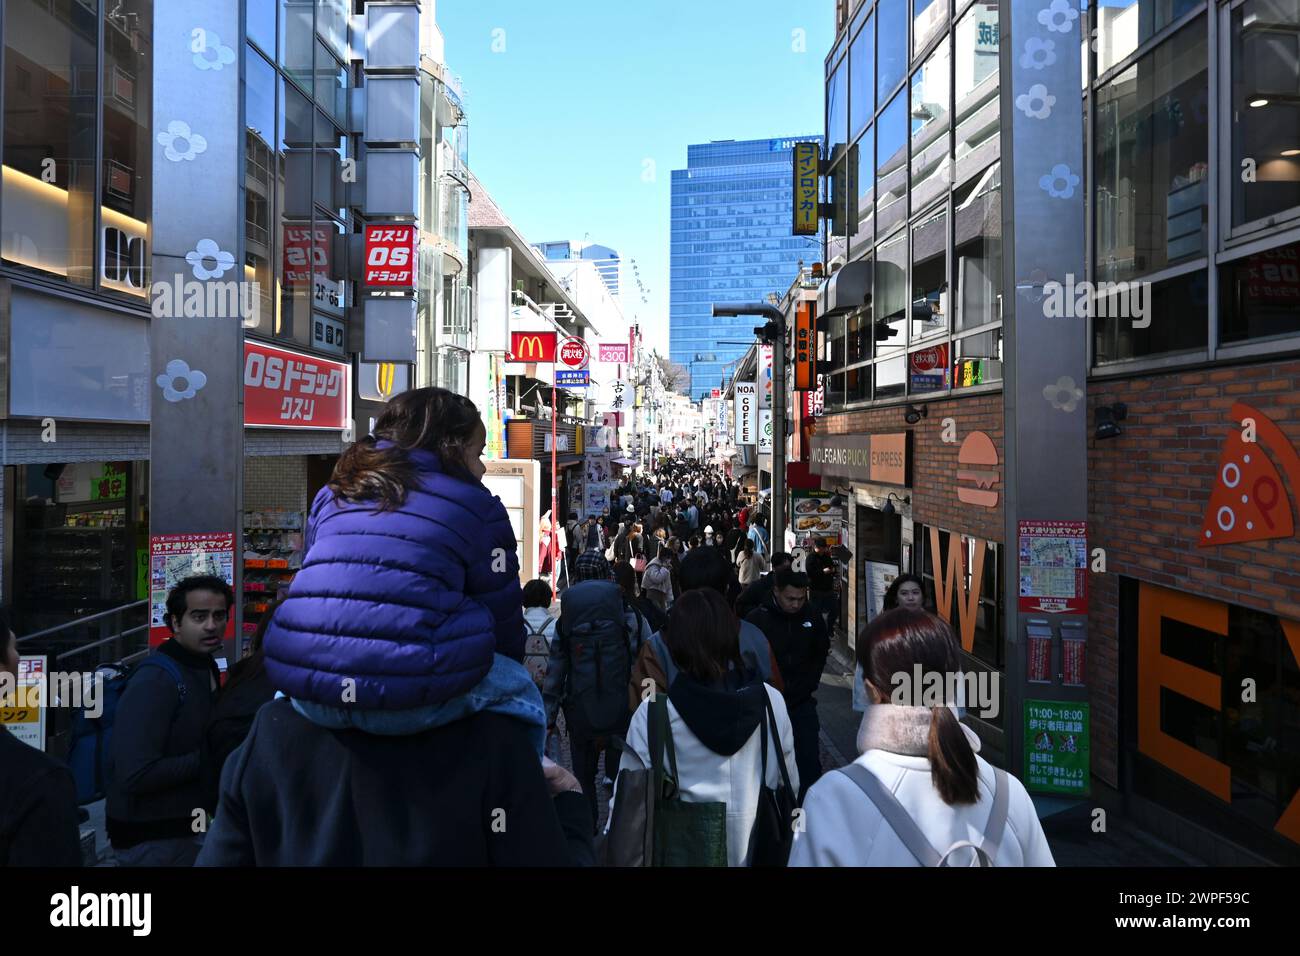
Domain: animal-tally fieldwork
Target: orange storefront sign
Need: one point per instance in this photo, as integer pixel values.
(950, 582)
(805, 376)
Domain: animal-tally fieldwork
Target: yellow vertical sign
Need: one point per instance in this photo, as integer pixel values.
(807, 160)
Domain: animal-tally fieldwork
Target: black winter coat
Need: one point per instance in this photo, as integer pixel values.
(800, 644)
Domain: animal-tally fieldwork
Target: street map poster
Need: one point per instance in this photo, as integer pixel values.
(175, 557)
(1054, 567)
(22, 712)
(1056, 747)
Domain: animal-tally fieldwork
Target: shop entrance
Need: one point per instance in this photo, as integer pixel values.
(879, 555)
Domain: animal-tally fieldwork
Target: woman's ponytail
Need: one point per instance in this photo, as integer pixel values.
(953, 769)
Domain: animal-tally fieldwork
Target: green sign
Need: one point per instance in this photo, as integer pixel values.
(109, 486)
(1056, 747)
(141, 573)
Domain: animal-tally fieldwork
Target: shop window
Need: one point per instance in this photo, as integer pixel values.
(49, 170)
(928, 18)
(864, 155)
(929, 133)
(891, 378)
(930, 275)
(259, 184)
(890, 296)
(128, 113)
(1124, 25)
(857, 384)
(1193, 719)
(862, 77)
(891, 165)
(928, 370)
(1260, 295)
(1177, 310)
(305, 246)
(977, 359)
(297, 40)
(1151, 190)
(859, 335)
(891, 46)
(975, 81)
(977, 214)
(1265, 109)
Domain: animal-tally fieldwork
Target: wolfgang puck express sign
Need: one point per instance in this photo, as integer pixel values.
(883, 459)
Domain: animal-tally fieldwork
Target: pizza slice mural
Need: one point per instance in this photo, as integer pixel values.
(1249, 501)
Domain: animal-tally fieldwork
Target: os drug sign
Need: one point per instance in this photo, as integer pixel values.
(390, 256)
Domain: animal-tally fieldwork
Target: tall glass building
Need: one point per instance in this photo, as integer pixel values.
(731, 242)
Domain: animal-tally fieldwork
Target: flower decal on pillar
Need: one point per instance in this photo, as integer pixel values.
(1037, 103)
(1059, 17)
(180, 381)
(1039, 54)
(213, 55)
(1064, 395)
(1060, 182)
(207, 251)
(180, 143)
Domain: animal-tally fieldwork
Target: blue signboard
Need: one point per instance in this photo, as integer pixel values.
(572, 378)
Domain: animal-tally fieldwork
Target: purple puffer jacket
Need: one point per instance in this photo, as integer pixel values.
(410, 603)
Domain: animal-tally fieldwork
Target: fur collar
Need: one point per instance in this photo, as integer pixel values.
(901, 730)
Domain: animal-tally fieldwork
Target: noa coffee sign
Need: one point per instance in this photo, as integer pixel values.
(574, 353)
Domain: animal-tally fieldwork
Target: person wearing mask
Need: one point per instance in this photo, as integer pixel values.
(38, 799)
(800, 644)
(702, 569)
(715, 715)
(823, 583)
(155, 756)
(398, 651)
(750, 566)
(246, 689)
(761, 590)
(920, 761)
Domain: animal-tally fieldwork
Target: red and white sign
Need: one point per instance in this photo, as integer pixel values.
(717, 393)
(574, 353)
(1054, 567)
(292, 390)
(614, 354)
(932, 359)
(390, 256)
(305, 249)
(815, 400)
(175, 557)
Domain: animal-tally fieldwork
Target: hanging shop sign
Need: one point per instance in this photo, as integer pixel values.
(532, 347)
(306, 251)
(390, 256)
(572, 378)
(765, 431)
(284, 389)
(614, 354)
(746, 413)
(815, 399)
(1056, 751)
(619, 401)
(22, 711)
(807, 162)
(805, 375)
(574, 352)
(1054, 567)
(175, 557)
(882, 459)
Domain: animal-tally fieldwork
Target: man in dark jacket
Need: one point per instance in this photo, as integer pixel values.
(823, 580)
(38, 800)
(760, 591)
(155, 795)
(799, 640)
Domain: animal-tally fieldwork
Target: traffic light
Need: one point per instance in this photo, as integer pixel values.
(769, 333)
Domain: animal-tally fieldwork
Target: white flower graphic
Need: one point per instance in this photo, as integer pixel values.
(1039, 54)
(1060, 182)
(1059, 17)
(1064, 394)
(214, 56)
(1037, 103)
(207, 249)
(178, 132)
(180, 382)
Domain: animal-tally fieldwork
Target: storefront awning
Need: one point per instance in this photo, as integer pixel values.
(625, 461)
(846, 290)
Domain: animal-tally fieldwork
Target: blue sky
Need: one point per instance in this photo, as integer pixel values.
(579, 110)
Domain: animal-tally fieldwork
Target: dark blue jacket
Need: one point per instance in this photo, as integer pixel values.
(410, 603)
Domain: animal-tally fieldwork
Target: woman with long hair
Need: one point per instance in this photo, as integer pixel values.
(399, 647)
(919, 793)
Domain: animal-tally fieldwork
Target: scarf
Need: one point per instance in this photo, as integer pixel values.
(901, 730)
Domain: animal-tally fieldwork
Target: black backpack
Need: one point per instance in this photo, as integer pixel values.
(593, 621)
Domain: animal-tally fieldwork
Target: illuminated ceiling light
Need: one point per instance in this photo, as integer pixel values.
(1258, 103)
(1291, 152)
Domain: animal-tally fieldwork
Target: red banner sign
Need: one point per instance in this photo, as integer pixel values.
(532, 346)
(804, 349)
(289, 389)
(305, 249)
(574, 352)
(390, 256)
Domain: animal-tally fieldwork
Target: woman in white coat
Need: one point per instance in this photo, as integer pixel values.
(930, 790)
(715, 706)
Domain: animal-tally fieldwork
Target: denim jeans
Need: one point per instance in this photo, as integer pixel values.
(807, 749)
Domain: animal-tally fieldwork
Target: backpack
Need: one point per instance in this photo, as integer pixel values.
(594, 624)
(537, 652)
(905, 828)
(657, 578)
(92, 736)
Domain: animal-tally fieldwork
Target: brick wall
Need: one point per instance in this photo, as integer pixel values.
(275, 483)
(934, 461)
(1147, 495)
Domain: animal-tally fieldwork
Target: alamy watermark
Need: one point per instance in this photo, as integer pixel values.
(978, 692)
(75, 689)
(1098, 300)
(181, 298)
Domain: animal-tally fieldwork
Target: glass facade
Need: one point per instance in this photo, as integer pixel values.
(731, 242)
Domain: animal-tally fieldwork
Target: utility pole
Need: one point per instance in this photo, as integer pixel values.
(773, 332)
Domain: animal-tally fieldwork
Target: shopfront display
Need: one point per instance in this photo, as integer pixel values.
(272, 555)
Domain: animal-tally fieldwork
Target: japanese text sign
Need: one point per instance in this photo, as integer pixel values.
(289, 389)
(614, 354)
(305, 249)
(390, 256)
(807, 160)
(804, 371)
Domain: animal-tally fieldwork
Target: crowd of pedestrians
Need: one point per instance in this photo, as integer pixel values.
(402, 704)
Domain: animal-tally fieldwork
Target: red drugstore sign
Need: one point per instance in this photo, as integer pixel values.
(305, 249)
(390, 256)
(289, 389)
